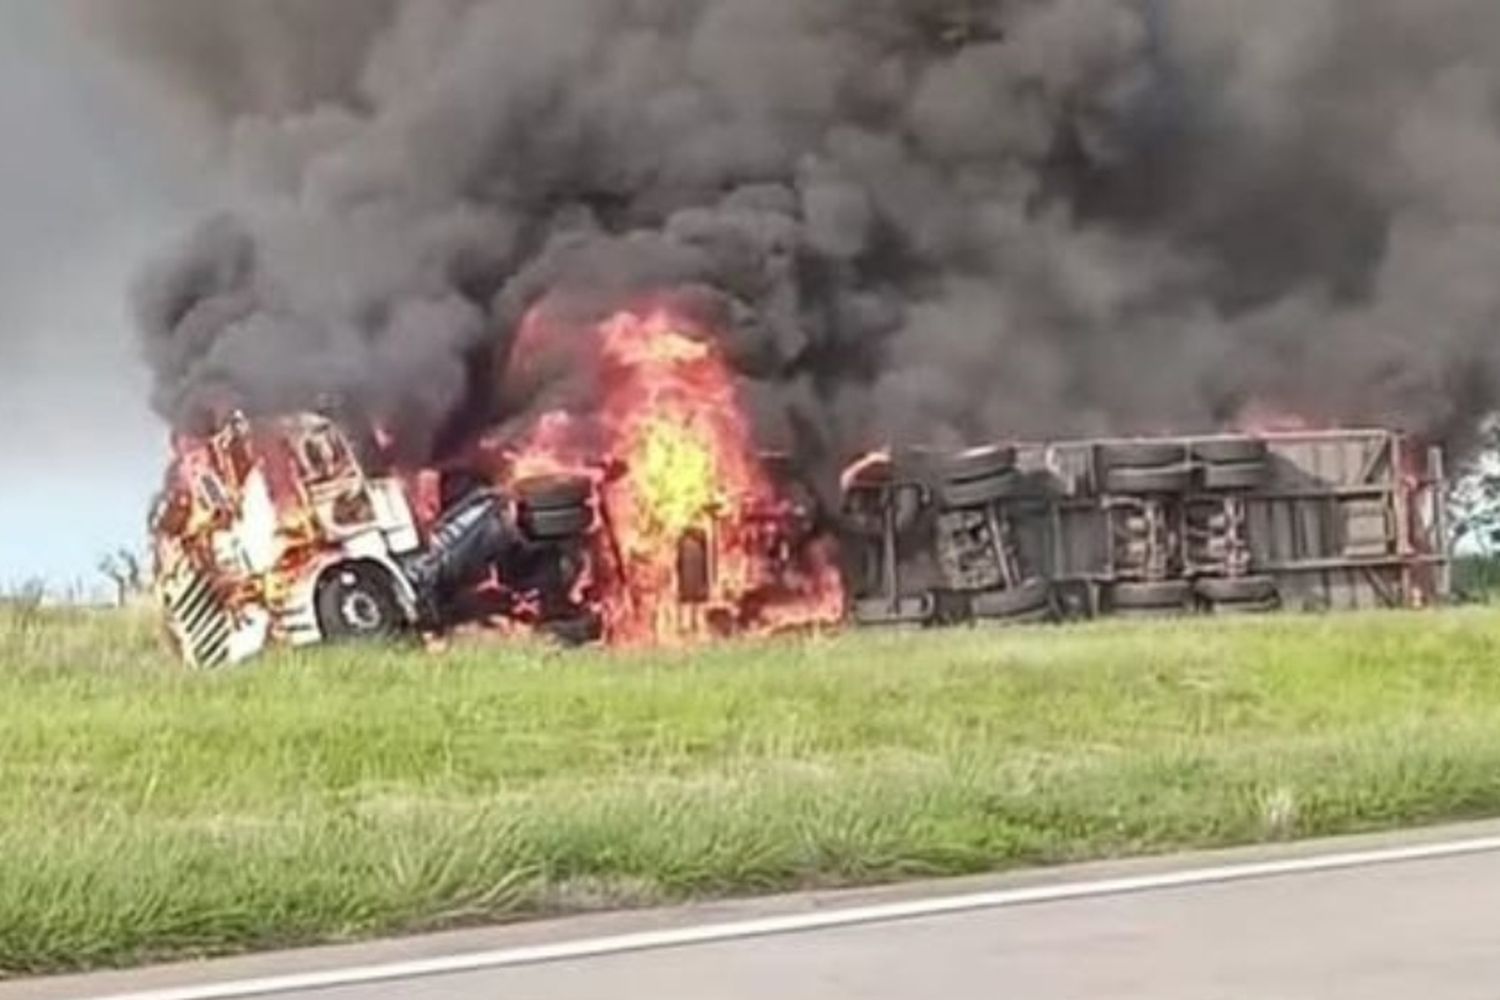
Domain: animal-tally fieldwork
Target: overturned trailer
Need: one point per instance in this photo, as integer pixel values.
(1326, 521)
(291, 531)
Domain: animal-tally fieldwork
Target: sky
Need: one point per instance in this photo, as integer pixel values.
(84, 200)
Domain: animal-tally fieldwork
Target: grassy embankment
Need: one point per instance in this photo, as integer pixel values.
(147, 813)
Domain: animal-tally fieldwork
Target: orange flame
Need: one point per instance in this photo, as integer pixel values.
(698, 533)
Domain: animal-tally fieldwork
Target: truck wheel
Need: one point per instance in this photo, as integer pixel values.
(1142, 455)
(1232, 451)
(1237, 476)
(981, 492)
(558, 524)
(1168, 481)
(1167, 595)
(1238, 590)
(357, 603)
(1029, 601)
(554, 492)
(979, 463)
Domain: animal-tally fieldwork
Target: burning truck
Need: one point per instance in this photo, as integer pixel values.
(650, 521)
(653, 519)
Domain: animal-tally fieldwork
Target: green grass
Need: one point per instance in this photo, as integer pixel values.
(1477, 579)
(146, 812)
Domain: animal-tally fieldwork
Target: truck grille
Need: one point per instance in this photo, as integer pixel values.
(202, 624)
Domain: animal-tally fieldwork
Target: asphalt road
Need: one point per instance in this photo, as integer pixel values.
(1427, 927)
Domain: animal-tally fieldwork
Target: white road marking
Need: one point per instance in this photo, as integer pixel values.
(805, 922)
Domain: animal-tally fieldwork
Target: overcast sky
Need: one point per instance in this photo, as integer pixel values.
(83, 198)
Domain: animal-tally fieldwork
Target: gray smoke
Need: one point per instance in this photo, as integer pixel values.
(911, 219)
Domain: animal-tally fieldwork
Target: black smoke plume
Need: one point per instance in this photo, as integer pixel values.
(921, 220)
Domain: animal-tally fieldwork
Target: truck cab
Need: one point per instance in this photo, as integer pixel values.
(276, 531)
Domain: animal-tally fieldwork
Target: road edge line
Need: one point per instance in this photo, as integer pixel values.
(884, 913)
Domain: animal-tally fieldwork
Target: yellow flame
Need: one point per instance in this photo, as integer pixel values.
(677, 474)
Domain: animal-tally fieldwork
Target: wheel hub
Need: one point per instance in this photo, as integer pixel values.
(361, 612)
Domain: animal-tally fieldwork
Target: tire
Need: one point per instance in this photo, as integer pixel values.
(979, 463)
(1167, 481)
(1232, 451)
(1027, 600)
(1239, 476)
(1238, 590)
(357, 602)
(556, 525)
(1142, 455)
(982, 492)
(1163, 596)
(554, 492)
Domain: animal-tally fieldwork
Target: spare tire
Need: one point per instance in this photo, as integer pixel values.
(1168, 481)
(1142, 454)
(1163, 595)
(1232, 450)
(554, 492)
(979, 463)
(1030, 599)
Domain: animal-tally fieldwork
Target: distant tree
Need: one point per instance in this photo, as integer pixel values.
(127, 573)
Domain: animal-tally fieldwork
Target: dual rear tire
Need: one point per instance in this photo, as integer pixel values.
(978, 478)
(1145, 468)
(1222, 595)
(1159, 468)
(1233, 465)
